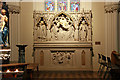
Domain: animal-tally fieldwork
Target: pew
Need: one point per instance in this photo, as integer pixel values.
(13, 70)
(115, 60)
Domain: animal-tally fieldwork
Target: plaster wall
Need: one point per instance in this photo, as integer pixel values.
(98, 31)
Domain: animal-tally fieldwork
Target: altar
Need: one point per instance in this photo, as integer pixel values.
(63, 40)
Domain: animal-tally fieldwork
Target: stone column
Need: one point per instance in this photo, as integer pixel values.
(111, 28)
(119, 29)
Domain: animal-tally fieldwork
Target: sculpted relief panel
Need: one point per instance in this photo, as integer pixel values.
(62, 57)
(40, 29)
(85, 28)
(61, 26)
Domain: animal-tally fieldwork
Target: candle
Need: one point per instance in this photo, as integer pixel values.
(16, 70)
(8, 70)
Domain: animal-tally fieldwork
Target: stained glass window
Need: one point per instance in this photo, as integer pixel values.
(62, 5)
(75, 5)
(49, 5)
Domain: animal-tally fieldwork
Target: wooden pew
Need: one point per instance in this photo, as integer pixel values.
(115, 60)
(8, 70)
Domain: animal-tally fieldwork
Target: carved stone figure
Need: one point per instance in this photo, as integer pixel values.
(62, 29)
(54, 33)
(83, 31)
(42, 32)
(62, 57)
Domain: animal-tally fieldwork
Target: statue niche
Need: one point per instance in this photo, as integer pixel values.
(62, 28)
(41, 29)
(83, 29)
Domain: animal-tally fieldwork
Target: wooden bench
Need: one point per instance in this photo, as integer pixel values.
(12, 67)
(30, 68)
(33, 66)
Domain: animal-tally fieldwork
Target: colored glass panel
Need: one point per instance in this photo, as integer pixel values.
(75, 5)
(62, 5)
(49, 5)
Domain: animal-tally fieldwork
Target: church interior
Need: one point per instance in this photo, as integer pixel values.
(59, 39)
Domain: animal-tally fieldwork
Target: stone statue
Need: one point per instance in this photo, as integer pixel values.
(63, 29)
(83, 31)
(42, 32)
(54, 33)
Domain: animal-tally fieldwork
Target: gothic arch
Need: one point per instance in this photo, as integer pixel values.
(86, 19)
(60, 14)
(39, 19)
(40, 28)
(62, 28)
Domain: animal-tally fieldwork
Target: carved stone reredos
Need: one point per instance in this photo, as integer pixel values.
(62, 26)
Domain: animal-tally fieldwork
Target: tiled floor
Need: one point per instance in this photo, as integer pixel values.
(62, 75)
(66, 75)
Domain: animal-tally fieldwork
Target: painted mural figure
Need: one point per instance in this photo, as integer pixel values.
(3, 28)
(83, 31)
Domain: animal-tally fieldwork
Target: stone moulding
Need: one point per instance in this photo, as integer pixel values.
(65, 44)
